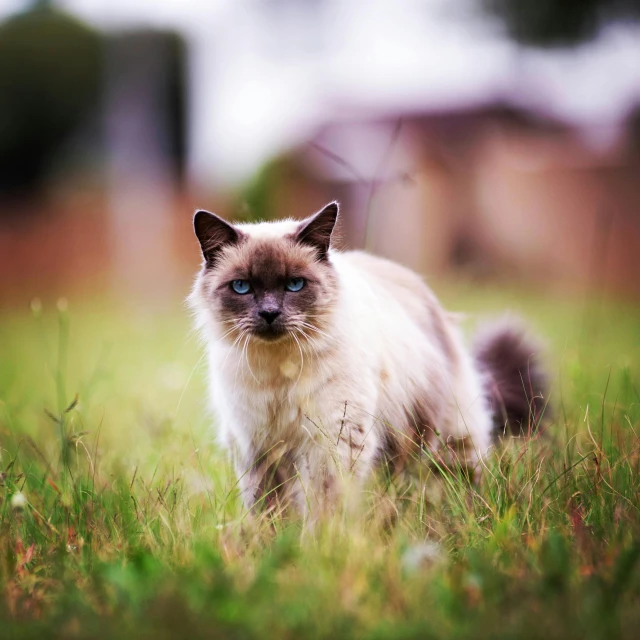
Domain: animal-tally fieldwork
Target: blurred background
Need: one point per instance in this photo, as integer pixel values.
(488, 140)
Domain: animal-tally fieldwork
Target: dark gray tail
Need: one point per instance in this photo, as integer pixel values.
(515, 381)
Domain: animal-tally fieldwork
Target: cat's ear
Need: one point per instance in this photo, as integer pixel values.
(316, 231)
(213, 233)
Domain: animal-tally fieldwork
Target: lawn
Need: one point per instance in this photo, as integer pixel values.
(119, 517)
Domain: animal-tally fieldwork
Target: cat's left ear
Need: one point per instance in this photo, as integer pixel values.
(316, 231)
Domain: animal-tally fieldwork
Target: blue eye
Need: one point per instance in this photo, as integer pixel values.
(295, 284)
(241, 286)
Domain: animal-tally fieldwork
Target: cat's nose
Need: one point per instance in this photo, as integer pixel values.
(269, 316)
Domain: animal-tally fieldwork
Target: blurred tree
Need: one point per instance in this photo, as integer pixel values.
(49, 83)
(559, 22)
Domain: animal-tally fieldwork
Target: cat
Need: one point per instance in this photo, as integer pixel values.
(324, 364)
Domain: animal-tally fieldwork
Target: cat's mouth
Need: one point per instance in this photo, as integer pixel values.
(270, 332)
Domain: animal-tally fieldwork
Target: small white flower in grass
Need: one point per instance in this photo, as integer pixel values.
(421, 555)
(36, 307)
(173, 376)
(18, 501)
(63, 305)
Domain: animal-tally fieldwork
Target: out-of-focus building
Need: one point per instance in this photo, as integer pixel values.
(449, 147)
(491, 190)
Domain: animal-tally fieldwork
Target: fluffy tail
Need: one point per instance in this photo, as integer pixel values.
(515, 382)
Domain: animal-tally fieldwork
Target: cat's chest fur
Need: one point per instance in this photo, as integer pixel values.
(270, 397)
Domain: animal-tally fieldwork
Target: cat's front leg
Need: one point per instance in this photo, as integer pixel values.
(268, 479)
(341, 457)
(248, 476)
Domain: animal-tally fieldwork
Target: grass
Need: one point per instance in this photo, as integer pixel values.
(120, 518)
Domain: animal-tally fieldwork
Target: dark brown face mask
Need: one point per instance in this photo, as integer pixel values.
(269, 287)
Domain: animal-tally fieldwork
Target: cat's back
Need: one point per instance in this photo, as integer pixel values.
(387, 280)
(382, 270)
(393, 306)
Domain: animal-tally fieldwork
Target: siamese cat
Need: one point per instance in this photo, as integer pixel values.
(325, 364)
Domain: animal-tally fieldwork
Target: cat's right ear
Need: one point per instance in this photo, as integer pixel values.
(214, 234)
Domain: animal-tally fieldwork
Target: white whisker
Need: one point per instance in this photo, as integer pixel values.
(295, 384)
(245, 352)
(231, 348)
(311, 327)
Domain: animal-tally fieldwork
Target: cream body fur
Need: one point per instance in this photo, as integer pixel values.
(379, 373)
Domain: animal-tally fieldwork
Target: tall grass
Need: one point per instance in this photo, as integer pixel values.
(120, 518)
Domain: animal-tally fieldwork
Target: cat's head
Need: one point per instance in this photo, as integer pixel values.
(269, 281)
